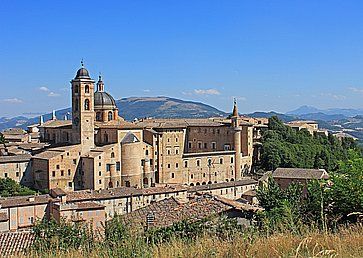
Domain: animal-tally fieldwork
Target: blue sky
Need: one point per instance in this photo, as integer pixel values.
(271, 55)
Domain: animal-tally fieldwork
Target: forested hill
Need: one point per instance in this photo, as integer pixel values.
(285, 147)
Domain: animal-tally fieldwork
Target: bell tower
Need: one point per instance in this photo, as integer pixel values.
(83, 114)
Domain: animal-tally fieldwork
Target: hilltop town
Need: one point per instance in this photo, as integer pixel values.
(97, 165)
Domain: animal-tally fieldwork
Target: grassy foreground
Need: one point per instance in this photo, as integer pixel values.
(347, 242)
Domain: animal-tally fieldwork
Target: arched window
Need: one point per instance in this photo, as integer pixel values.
(112, 154)
(110, 116)
(86, 89)
(76, 89)
(86, 104)
(105, 137)
(110, 185)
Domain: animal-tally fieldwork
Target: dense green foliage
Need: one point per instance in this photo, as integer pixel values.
(286, 147)
(2, 139)
(8, 187)
(327, 203)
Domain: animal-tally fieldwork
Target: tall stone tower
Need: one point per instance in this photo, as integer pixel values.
(237, 140)
(83, 114)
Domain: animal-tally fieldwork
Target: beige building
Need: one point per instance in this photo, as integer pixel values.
(17, 168)
(97, 149)
(311, 126)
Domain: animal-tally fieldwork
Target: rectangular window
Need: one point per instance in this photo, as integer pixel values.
(70, 184)
(214, 145)
(108, 167)
(62, 172)
(53, 173)
(118, 166)
(74, 162)
(205, 145)
(189, 145)
(231, 159)
(199, 145)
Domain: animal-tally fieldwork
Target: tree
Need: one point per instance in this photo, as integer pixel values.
(283, 146)
(8, 187)
(2, 138)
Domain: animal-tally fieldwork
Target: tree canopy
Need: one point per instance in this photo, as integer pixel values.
(283, 146)
(8, 187)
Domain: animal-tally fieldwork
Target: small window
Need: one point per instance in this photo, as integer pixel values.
(69, 172)
(110, 116)
(172, 175)
(146, 152)
(198, 163)
(205, 145)
(112, 154)
(191, 176)
(199, 145)
(189, 145)
(57, 166)
(86, 89)
(62, 172)
(53, 173)
(108, 167)
(203, 174)
(74, 162)
(168, 165)
(176, 165)
(214, 145)
(221, 161)
(70, 184)
(231, 159)
(100, 181)
(86, 105)
(118, 166)
(185, 164)
(209, 162)
(99, 173)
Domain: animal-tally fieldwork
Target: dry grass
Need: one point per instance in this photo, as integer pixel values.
(344, 243)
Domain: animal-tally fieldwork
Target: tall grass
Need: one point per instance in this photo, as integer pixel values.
(344, 242)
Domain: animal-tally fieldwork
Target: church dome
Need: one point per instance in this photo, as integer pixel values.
(103, 100)
(82, 73)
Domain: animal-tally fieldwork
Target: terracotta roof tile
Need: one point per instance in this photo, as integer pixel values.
(13, 243)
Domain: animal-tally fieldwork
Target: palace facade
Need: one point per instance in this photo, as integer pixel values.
(98, 149)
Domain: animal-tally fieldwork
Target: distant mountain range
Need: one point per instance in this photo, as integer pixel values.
(348, 120)
(131, 108)
(305, 110)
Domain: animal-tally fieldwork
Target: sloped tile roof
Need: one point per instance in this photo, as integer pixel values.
(172, 210)
(300, 173)
(13, 243)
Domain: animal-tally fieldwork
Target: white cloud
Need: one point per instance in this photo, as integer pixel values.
(43, 88)
(13, 101)
(53, 94)
(356, 90)
(147, 90)
(207, 92)
(333, 96)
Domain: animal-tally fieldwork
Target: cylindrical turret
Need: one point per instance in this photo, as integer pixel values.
(131, 156)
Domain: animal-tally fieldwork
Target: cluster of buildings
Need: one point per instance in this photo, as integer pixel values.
(96, 165)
